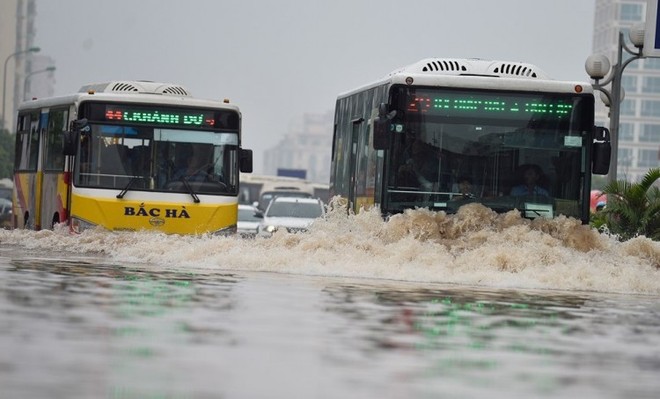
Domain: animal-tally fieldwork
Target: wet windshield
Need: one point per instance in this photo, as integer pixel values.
(506, 151)
(267, 196)
(247, 215)
(154, 159)
(309, 210)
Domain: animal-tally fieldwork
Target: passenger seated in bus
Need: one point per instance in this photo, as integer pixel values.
(421, 169)
(115, 160)
(140, 159)
(464, 188)
(408, 140)
(531, 176)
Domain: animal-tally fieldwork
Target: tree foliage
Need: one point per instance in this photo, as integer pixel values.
(632, 208)
(6, 154)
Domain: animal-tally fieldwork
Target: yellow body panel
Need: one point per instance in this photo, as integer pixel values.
(53, 199)
(171, 218)
(24, 199)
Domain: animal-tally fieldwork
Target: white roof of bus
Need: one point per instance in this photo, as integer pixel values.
(477, 74)
(131, 91)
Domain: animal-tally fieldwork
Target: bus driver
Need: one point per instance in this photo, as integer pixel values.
(197, 165)
(531, 176)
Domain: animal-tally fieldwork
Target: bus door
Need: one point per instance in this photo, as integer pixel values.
(353, 164)
(54, 192)
(26, 176)
(43, 124)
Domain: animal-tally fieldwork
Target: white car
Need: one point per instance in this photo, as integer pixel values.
(294, 214)
(266, 196)
(248, 221)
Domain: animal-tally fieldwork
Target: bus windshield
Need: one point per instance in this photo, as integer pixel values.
(507, 150)
(158, 159)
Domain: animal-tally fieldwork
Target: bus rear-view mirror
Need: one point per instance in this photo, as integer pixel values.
(380, 134)
(245, 161)
(602, 151)
(69, 141)
(382, 127)
(70, 138)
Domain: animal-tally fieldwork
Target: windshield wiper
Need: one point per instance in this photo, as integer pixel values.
(128, 186)
(538, 211)
(190, 190)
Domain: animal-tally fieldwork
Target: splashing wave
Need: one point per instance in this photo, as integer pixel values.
(476, 246)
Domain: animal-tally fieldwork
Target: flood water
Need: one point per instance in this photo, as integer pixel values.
(421, 306)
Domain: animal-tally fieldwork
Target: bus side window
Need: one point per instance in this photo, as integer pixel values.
(22, 142)
(27, 142)
(54, 151)
(34, 142)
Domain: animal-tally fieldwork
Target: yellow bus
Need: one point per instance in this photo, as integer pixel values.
(129, 155)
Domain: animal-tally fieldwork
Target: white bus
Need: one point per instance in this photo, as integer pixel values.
(129, 155)
(414, 137)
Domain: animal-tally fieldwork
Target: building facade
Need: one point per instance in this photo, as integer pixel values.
(21, 67)
(639, 121)
(39, 82)
(307, 146)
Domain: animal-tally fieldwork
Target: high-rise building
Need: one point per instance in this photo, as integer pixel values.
(17, 37)
(307, 147)
(639, 123)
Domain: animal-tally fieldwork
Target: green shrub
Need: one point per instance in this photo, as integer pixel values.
(632, 209)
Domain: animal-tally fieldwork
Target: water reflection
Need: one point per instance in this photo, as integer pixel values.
(130, 291)
(104, 327)
(91, 327)
(542, 341)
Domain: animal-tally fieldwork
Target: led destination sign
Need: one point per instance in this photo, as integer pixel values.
(182, 117)
(424, 103)
(159, 117)
(458, 104)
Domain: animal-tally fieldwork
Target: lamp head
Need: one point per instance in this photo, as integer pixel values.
(636, 35)
(605, 98)
(597, 66)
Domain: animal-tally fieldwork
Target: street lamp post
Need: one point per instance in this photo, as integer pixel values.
(598, 66)
(27, 77)
(4, 78)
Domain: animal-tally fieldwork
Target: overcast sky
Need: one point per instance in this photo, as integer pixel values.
(279, 59)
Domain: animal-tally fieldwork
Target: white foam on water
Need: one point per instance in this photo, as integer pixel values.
(476, 246)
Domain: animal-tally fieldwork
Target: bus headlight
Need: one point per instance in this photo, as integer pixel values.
(271, 229)
(80, 225)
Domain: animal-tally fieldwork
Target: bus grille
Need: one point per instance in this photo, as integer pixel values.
(178, 90)
(122, 86)
(513, 69)
(444, 65)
